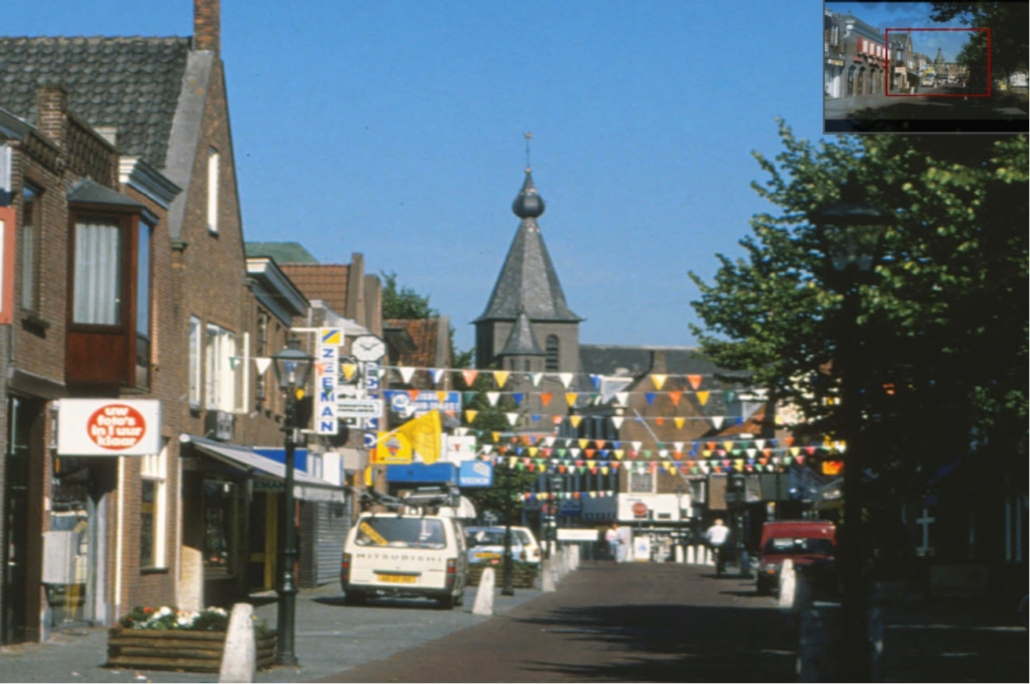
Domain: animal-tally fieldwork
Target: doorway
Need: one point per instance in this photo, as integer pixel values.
(22, 552)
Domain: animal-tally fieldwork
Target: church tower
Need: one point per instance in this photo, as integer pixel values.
(527, 326)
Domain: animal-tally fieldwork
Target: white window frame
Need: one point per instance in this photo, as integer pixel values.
(195, 347)
(213, 168)
(220, 377)
(647, 473)
(154, 468)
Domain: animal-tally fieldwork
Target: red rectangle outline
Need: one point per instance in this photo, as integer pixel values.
(887, 73)
(7, 220)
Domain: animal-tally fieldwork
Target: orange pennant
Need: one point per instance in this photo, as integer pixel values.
(694, 380)
(676, 396)
(545, 398)
(413, 394)
(469, 376)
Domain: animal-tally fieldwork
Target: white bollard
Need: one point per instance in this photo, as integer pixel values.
(547, 579)
(679, 553)
(484, 604)
(691, 555)
(239, 660)
(788, 584)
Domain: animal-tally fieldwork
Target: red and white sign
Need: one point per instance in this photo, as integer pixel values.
(108, 427)
(640, 509)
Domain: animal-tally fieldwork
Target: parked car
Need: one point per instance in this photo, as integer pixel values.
(486, 545)
(810, 544)
(528, 540)
(389, 554)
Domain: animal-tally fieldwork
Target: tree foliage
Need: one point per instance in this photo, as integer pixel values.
(404, 302)
(1007, 21)
(943, 329)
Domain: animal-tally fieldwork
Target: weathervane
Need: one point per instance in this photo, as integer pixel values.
(528, 135)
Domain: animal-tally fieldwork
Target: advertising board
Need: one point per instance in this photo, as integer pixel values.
(109, 427)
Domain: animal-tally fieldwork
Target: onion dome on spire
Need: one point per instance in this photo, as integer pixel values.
(528, 203)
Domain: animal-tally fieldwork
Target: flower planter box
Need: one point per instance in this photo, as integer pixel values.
(176, 649)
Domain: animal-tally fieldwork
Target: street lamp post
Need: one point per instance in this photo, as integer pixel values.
(849, 233)
(556, 483)
(292, 367)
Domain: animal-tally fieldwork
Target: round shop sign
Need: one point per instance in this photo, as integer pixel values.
(116, 427)
(640, 509)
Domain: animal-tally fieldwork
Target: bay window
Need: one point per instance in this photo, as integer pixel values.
(108, 341)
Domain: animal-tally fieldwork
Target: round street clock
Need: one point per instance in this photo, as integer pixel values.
(368, 348)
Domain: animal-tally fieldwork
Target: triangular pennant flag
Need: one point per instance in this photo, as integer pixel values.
(583, 443)
(679, 422)
(536, 378)
(406, 373)
(557, 419)
(501, 377)
(492, 397)
(436, 374)
(730, 396)
(675, 396)
(519, 397)
(545, 398)
(694, 380)
(637, 445)
(649, 396)
(470, 415)
(617, 421)
(263, 362)
(235, 361)
(622, 398)
(566, 379)
(658, 379)
(619, 453)
(660, 420)
(702, 397)
(441, 397)
(716, 421)
(596, 379)
(570, 398)
(349, 369)
(512, 418)
(469, 376)
(575, 420)
(414, 394)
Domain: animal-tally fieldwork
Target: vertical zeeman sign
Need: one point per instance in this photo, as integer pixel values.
(327, 368)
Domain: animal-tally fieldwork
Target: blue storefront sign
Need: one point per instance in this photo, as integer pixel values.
(436, 473)
(401, 402)
(300, 456)
(475, 474)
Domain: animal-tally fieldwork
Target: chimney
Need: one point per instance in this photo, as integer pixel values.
(52, 112)
(659, 364)
(206, 29)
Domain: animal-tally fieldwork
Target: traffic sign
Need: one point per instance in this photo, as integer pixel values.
(359, 408)
(640, 509)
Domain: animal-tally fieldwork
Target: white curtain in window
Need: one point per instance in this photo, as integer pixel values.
(97, 282)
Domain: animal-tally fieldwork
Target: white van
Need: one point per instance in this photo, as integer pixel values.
(393, 554)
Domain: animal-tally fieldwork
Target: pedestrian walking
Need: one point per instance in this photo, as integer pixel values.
(716, 537)
(614, 540)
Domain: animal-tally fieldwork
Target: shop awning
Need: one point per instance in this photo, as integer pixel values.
(261, 467)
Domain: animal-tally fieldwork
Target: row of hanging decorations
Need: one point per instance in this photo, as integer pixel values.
(616, 455)
(513, 418)
(572, 399)
(560, 447)
(501, 377)
(689, 467)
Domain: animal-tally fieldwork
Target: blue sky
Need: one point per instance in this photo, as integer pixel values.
(395, 129)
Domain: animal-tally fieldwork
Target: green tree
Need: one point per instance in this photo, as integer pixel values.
(943, 329)
(1007, 21)
(404, 303)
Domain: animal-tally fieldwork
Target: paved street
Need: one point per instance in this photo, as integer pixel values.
(884, 107)
(606, 622)
(628, 622)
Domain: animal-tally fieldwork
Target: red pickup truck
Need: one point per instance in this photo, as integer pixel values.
(809, 543)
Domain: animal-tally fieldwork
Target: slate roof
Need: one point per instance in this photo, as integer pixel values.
(528, 281)
(604, 359)
(88, 192)
(130, 83)
(522, 341)
(282, 252)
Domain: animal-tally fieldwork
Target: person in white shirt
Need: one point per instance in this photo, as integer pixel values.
(716, 536)
(614, 540)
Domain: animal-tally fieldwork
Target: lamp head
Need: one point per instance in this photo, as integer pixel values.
(292, 366)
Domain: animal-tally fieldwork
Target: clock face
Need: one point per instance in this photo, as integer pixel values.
(368, 348)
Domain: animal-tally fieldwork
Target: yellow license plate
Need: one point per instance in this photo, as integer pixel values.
(488, 555)
(397, 579)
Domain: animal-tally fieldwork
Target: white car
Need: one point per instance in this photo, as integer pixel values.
(529, 543)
